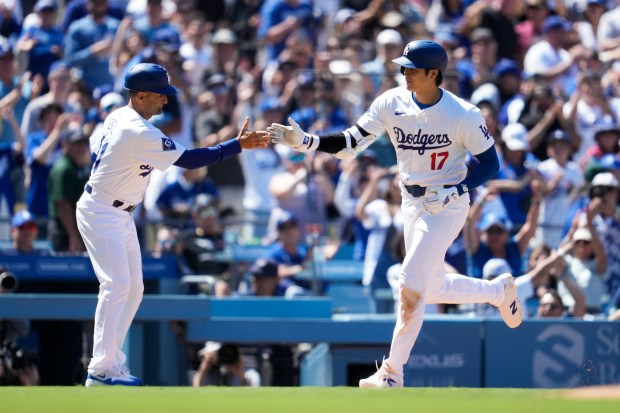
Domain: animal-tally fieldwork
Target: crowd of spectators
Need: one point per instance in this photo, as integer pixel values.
(544, 73)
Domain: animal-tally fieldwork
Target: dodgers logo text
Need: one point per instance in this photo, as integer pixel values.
(421, 141)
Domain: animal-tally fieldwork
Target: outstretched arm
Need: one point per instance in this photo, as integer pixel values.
(344, 145)
(199, 157)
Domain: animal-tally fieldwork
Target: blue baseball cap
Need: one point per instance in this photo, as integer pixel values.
(149, 77)
(270, 103)
(610, 162)
(493, 220)
(22, 217)
(167, 39)
(286, 220)
(42, 5)
(555, 22)
(506, 66)
(558, 135)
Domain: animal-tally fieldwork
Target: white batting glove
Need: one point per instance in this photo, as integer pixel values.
(292, 136)
(438, 197)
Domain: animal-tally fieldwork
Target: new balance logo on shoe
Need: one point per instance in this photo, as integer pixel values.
(513, 307)
(389, 381)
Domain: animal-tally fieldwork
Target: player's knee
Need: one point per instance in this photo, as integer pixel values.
(120, 288)
(138, 289)
(410, 299)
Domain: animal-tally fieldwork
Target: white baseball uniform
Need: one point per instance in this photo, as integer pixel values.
(125, 154)
(431, 145)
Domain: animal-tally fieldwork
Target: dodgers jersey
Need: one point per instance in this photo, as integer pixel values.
(431, 144)
(125, 154)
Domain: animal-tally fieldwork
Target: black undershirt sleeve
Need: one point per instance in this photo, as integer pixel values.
(334, 143)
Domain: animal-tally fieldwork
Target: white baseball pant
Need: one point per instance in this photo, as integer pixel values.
(111, 240)
(423, 278)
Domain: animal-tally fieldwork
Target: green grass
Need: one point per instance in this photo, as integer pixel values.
(291, 400)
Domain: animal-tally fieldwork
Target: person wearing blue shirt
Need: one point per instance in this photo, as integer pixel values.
(280, 18)
(515, 173)
(491, 238)
(76, 9)
(176, 199)
(290, 256)
(42, 150)
(43, 44)
(152, 21)
(88, 44)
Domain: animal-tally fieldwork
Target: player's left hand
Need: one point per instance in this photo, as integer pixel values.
(438, 197)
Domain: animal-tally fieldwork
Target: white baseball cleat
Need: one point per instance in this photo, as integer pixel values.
(114, 376)
(383, 377)
(510, 307)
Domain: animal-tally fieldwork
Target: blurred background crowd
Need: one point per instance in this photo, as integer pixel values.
(544, 73)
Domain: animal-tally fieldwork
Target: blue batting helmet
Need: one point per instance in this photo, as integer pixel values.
(149, 77)
(423, 54)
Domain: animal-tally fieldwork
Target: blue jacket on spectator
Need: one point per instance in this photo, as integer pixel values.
(82, 34)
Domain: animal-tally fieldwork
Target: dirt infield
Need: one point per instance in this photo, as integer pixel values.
(611, 392)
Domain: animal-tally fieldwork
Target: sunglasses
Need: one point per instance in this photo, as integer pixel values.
(207, 213)
(28, 226)
(495, 230)
(552, 306)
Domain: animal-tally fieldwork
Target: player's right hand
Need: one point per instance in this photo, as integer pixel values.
(252, 139)
(292, 136)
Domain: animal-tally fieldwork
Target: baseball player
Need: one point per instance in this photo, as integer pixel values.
(123, 159)
(431, 130)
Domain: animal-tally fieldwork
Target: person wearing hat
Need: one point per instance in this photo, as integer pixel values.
(264, 277)
(560, 176)
(541, 113)
(176, 199)
(201, 243)
(65, 186)
(435, 184)
(550, 60)
(514, 178)
(488, 234)
(123, 160)
(589, 111)
(88, 44)
(508, 79)
(389, 44)
(477, 68)
(606, 142)
(586, 266)
(290, 254)
(23, 235)
(603, 195)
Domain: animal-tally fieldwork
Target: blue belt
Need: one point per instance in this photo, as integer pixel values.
(115, 204)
